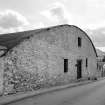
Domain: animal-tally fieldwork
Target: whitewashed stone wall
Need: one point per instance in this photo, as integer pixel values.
(39, 61)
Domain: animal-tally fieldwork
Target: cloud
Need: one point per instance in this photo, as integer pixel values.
(11, 30)
(63, 1)
(96, 25)
(86, 14)
(11, 21)
(57, 14)
(101, 48)
(97, 36)
(35, 26)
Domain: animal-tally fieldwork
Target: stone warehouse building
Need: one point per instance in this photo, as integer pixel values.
(49, 56)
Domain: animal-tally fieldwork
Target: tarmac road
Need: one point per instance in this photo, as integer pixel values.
(88, 94)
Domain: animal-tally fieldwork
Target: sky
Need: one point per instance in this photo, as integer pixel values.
(20, 15)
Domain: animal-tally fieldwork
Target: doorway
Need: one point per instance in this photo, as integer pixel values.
(79, 69)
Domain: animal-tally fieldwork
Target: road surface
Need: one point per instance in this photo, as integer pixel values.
(89, 94)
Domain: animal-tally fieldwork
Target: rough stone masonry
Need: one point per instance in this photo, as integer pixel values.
(45, 57)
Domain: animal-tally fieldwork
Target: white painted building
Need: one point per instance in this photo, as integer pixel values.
(61, 53)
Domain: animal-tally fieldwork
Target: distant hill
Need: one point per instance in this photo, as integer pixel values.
(100, 53)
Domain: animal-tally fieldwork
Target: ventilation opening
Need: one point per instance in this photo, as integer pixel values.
(65, 65)
(86, 62)
(79, 42)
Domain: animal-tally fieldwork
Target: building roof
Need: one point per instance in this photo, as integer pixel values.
(12, 39)
(88, 38)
